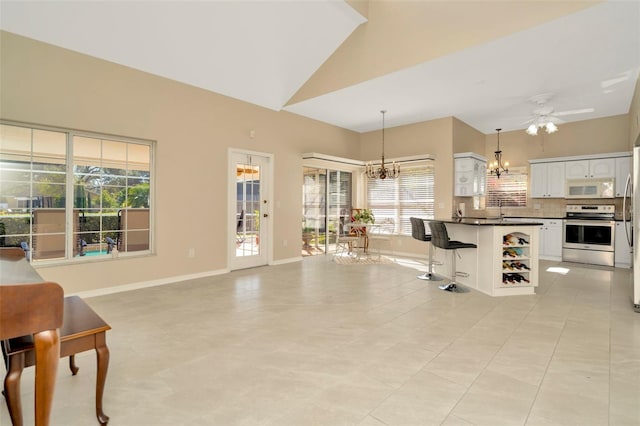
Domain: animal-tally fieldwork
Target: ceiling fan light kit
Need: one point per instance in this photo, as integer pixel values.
(549, 126)
(382, 172)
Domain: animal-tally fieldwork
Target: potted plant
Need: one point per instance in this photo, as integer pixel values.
(364, 216)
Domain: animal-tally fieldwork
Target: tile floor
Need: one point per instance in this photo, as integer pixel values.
(317, 343)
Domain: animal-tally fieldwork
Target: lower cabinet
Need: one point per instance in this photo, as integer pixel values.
(622, 253)
(551, 239)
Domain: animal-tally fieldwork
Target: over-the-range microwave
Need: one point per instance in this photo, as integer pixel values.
(590, 188)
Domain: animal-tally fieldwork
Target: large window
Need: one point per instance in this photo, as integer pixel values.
(65, 195)
(510, 190)
(410, 195)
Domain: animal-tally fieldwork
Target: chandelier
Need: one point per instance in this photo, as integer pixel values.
(497, 167)
(548, 125)
(382, 172)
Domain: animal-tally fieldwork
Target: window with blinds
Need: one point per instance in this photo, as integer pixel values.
(510, 190)
(411, 195)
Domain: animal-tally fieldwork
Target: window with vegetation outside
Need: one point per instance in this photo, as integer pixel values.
(53, 177)
(509, 191)
(410, 195)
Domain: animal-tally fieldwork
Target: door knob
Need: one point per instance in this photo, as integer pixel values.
(265, 215)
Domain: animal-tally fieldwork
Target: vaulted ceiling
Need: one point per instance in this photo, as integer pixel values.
(489, 63)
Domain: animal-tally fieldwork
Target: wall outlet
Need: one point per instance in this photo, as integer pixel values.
(284, 243)
(191, 252)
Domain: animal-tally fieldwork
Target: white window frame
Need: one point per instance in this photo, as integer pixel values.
(69, 197)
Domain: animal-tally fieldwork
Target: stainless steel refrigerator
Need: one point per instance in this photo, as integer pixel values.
(634, 191)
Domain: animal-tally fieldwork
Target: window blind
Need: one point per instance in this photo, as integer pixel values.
(510, 190)
(410, 195)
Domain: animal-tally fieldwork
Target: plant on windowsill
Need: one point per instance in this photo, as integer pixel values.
(364, 216)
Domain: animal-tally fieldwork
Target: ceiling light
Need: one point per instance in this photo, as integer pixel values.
(382, 172)
(496, 167)
(542, 122)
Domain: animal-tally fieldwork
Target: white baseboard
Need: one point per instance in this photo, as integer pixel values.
(283, 261)
(146, 284)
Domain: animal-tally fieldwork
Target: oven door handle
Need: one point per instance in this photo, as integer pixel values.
(594, 222)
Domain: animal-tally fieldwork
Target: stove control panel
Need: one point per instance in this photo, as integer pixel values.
(591, 208)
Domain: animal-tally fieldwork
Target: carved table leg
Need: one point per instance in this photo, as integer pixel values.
(12, 388)
(72, 365)
(47, 347)
(102, 354)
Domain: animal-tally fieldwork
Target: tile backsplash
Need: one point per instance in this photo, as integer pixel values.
(536, 207)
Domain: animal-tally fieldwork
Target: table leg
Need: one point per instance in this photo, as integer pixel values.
(72, 365)
(102, 354)
(47, 348)
(12, 388)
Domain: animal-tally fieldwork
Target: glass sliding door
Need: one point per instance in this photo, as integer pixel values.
(314, 190)
(326, 201)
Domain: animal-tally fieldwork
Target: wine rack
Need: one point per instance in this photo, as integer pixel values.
(516, 268)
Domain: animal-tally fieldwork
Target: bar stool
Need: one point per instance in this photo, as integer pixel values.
(440, 238)
(418, 232)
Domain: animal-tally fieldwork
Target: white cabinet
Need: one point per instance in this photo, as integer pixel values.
(470, 174)
(622, 253)
(623, 168)
(551, 239)
(595, 168)
(547, 180)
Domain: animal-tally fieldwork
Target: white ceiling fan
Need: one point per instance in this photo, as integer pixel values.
(545, 117)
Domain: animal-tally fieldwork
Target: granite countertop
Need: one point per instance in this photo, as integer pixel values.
(490, 222)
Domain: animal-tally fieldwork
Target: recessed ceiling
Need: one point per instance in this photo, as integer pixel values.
(263, 51)
(256, 51)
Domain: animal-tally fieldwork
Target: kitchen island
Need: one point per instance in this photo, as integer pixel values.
(505, 262)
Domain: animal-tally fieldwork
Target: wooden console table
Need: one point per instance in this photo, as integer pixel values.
(31, 306)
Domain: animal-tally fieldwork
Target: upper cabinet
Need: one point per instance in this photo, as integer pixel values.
(587, 169)
(623, 169)
(547, 180)
(549, 176)
(470, 174)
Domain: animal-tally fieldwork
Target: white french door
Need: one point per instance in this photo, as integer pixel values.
(249, 209)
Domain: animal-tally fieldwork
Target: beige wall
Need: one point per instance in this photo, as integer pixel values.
(467, 139)
(193, 128)
(578, 138)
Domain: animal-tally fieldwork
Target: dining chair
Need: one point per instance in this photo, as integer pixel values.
(346, 241)
(381, 234)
